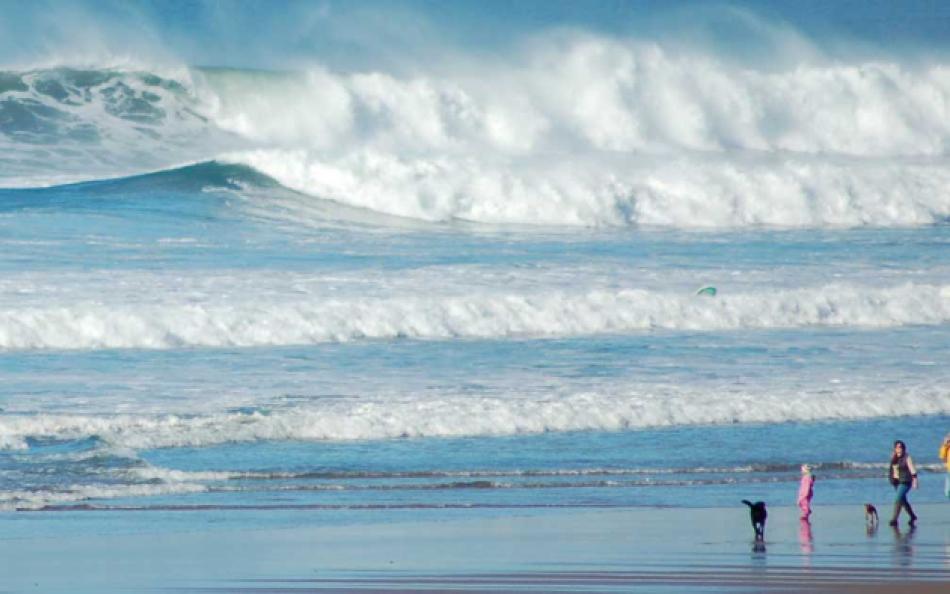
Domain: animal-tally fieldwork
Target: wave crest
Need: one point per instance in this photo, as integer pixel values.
(577, 130)
(678, 193)
(455, 416)
(486, 315)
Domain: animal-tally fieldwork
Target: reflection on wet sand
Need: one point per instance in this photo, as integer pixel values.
(903, 546)
(805, 538)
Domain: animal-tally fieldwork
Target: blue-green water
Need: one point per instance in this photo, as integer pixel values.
(219, 337)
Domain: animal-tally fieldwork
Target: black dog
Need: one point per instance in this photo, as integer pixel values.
(758, 515)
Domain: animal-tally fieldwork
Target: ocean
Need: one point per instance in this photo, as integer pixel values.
(228, 290)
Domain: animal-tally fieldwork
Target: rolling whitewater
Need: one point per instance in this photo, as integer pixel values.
(322, 289)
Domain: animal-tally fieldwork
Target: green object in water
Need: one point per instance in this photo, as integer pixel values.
(711, 291)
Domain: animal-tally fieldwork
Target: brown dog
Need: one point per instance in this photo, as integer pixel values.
(870, 514)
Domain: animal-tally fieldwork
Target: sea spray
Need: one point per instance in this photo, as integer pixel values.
(654, 136)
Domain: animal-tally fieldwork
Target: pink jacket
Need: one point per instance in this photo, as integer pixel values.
(806, 488)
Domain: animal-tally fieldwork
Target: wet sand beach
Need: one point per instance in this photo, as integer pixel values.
(569, 550)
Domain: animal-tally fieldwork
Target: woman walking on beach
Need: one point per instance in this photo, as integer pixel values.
(903, 476)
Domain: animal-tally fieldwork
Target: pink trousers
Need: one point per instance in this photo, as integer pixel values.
(805, 506)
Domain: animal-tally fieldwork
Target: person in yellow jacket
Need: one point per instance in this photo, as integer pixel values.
(945, 456)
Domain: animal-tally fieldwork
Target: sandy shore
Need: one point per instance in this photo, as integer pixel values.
(572, 550)
(842, 580)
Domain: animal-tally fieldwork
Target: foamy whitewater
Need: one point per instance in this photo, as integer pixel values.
(472, 287)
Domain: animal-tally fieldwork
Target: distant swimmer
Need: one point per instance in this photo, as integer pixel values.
(710, 291)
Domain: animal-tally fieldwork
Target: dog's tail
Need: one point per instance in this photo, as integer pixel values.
(747, 502)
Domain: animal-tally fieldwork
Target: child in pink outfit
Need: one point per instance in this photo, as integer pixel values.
(806, 490)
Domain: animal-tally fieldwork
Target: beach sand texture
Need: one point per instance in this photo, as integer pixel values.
(611, 550)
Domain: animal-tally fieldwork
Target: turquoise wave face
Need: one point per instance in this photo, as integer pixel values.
(62, 124)
(41, 106)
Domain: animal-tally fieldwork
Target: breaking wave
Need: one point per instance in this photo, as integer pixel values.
(454, 416)
(479, 314)
(576, 130)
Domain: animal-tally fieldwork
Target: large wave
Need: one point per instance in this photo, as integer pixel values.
(495, 314)
(687, 192)
(576, 130)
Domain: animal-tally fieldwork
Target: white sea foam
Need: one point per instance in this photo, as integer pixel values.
(484, 314)
(171, 476)
(36, 499)
(446, 416)
(573, 130)
(598, 93)
(678, 192)
(592, 131)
